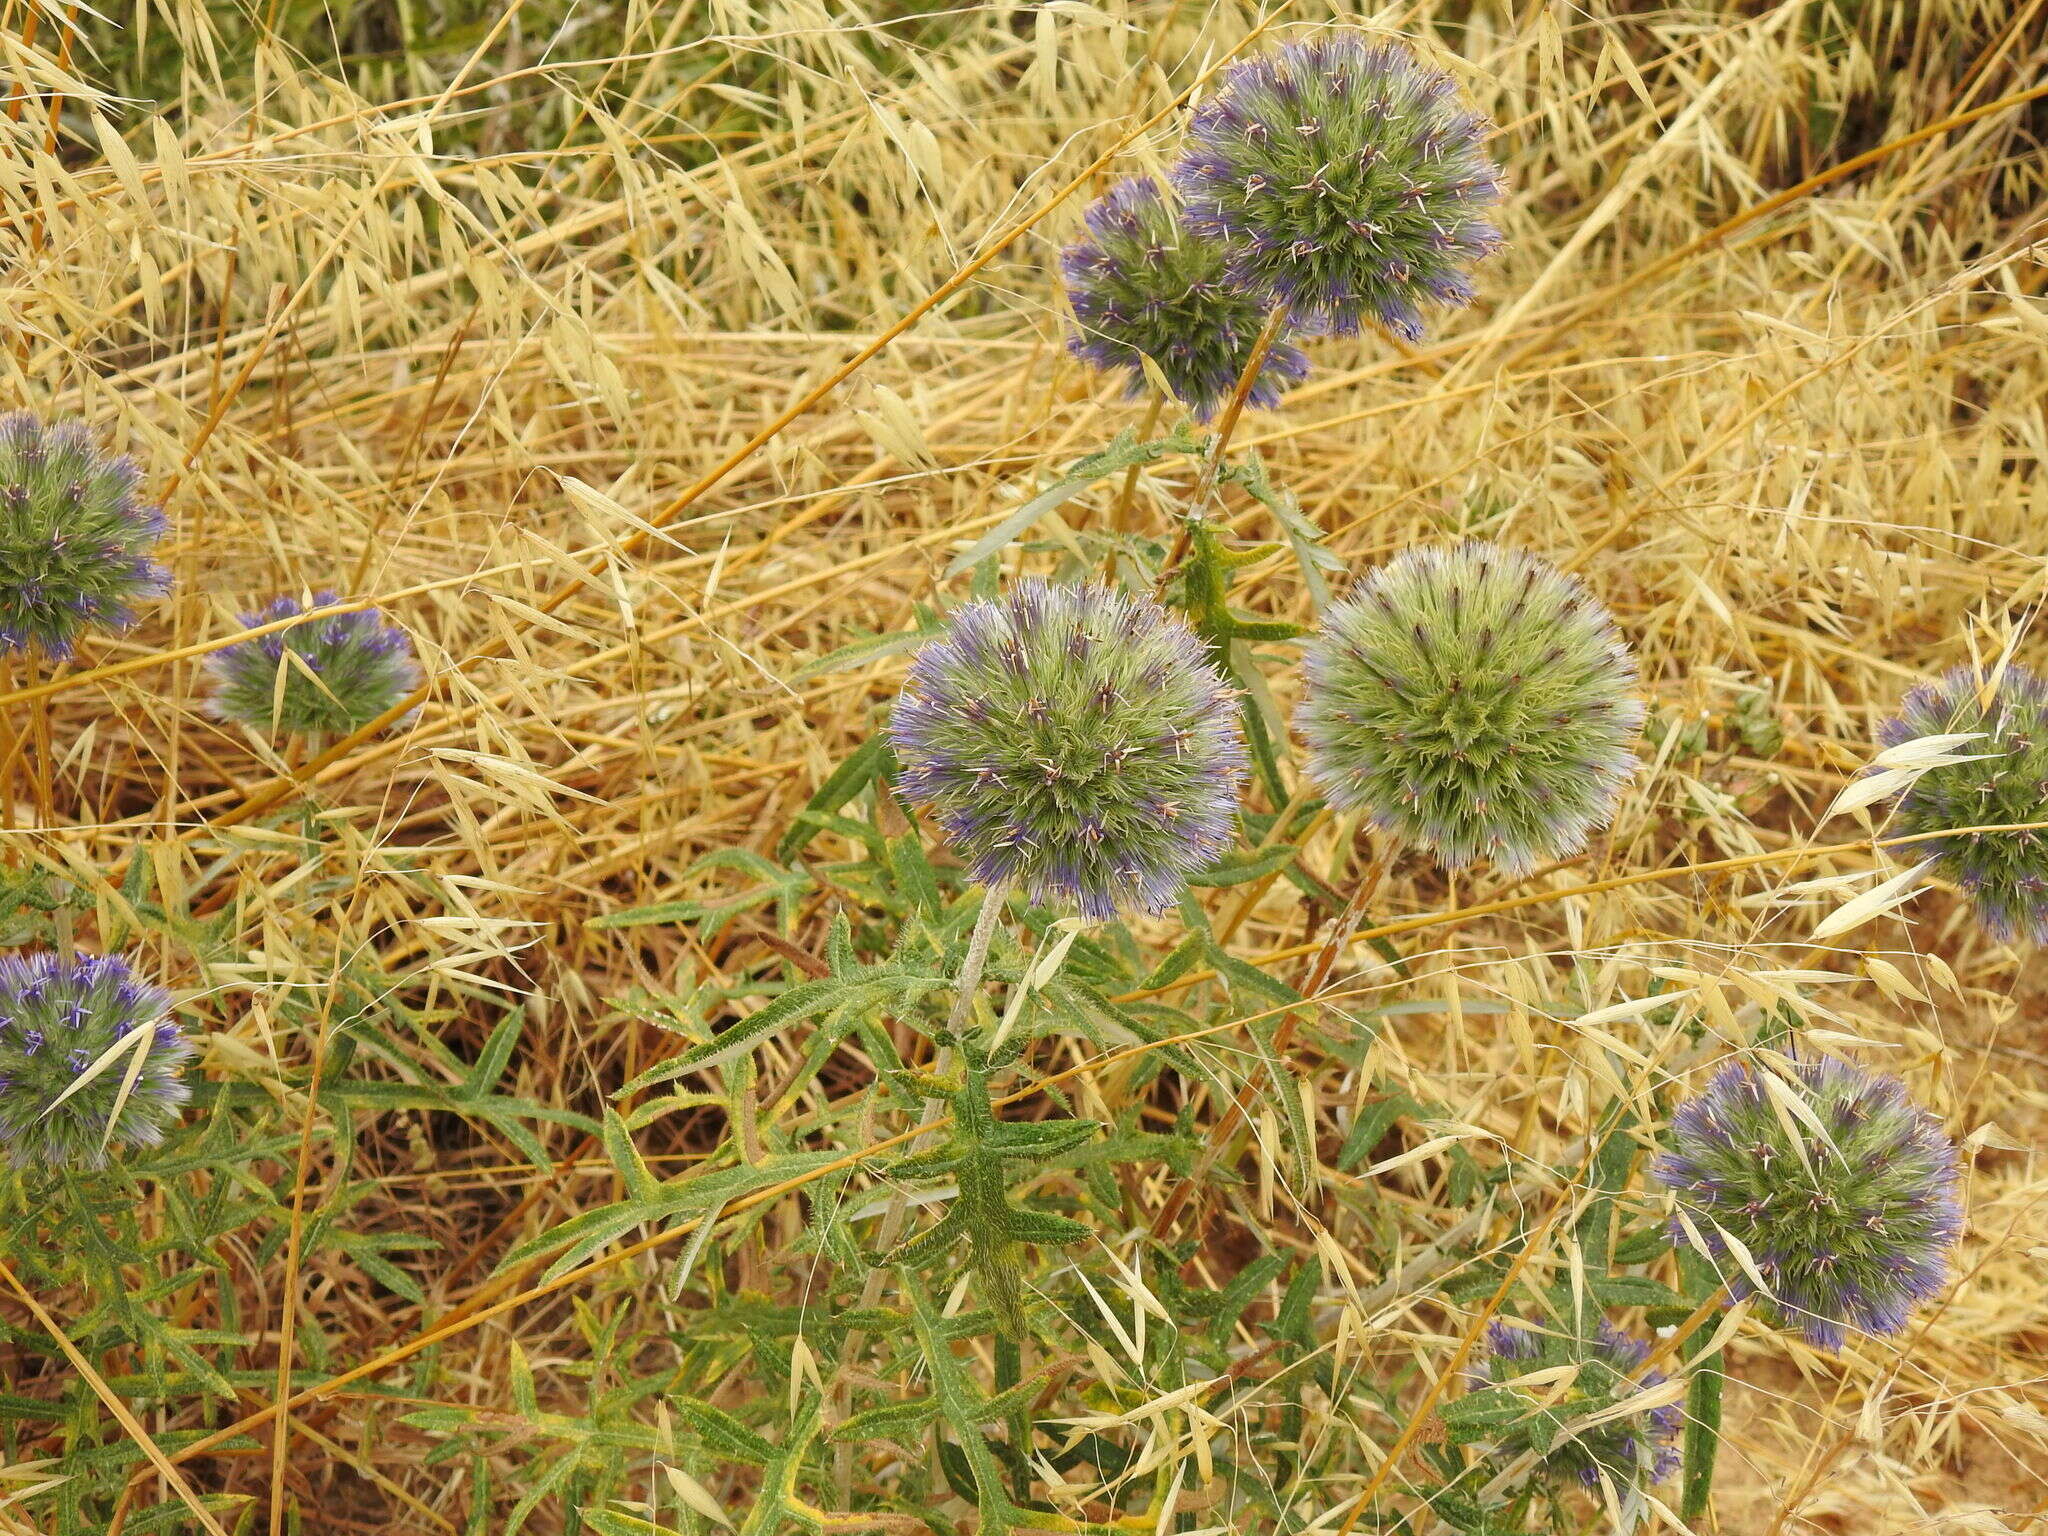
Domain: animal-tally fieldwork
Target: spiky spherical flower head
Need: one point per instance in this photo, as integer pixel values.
(1347, 181)
(1075, 742)
(1839, 1187)
(2005, 873)
(343, 670)
(1629, 1450)
(72, 1019)
(74, 536)
(1474, 700)
(1143, 284)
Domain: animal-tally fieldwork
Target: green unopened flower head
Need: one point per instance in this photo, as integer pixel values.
(1347, 180)
(329, 675)
(2002, 782)
(1473, 700)
(1076, 742)
(75, 537)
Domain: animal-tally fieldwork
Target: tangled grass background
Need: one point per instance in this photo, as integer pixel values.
(638, 360)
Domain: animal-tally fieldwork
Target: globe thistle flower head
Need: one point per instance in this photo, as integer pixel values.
(1347, 181)
(1143, 284)
(1075, 742)
(60, 1017)
(1846, 1204)
(1475, 701)
(74, 537)
(338, 672)
(2004, 784)
(1629, 1450)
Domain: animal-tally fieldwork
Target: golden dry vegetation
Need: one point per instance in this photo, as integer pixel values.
(602, 352)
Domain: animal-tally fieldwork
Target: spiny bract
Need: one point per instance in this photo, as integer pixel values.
(1347, 181)
(60, 1015)
(1143, 284)
(1474, 700)
(1629, 1450)
(74, 536)
(360, 666)
(1074, 741)
(2005, 873)
(1846, 1205)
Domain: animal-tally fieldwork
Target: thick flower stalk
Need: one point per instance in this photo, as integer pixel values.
(1348, 182)
(1631, 1449)
(74, 537)
(89, 1059)
(2006, 784)
(1144, 285)
(1475, 701)
(1840, 1190)
(328, 676)
(1074, 742)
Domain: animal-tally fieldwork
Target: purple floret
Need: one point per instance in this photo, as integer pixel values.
(1144, 285)
(1851, 1236)
(346, 670)
(75, 539)
(60, 1015)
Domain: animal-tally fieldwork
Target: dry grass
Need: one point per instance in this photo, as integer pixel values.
(460, 347)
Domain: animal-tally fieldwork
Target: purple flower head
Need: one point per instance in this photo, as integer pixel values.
(1629, 1450)
(1143, 284)
(1847, 1210)
(2005, 873)
(1075, 742)
(72, 1019)
(1347, 180)
(331, 674)
(1475, 701)
(74, 537)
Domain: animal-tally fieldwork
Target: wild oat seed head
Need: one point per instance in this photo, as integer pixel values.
(1632, 1449)
(1347, 180)
(59, 1016)
(1473, 700)
(2005, 873)
(360, 667)
(1075, 742)
(1848, 1229)
(74, 536)
(1142, 284)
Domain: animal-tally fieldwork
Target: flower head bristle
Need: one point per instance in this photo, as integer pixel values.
(1145, 285)
(1347, 180)
(332, 674)
(1075, 742)
(60, 1017)
(2003, 783)
(74, 537)
(1847, 1228)
(1475, 701)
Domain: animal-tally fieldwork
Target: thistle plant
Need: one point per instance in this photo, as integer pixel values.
(1629, 1450)
(328, 676)
(74, 537)
(89, 1058)
(1073, 742)
(1999, 779)
(1475, 701)
(1840, 1191)
(1144, 285)
(1347, 181)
